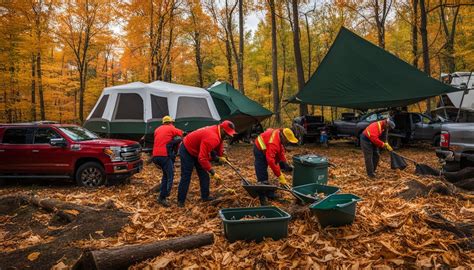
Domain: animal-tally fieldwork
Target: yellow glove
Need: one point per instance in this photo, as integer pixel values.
(217, 178)
(282, 179)
(388, 147)
(223, 159)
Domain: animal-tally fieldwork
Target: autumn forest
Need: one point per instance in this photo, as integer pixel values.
(56, 56)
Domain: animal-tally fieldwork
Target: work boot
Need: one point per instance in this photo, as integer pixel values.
(208, 199)
(180, 204)
(163, 202)
(372, 176)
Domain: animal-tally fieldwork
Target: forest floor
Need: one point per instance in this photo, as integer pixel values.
(388, 232)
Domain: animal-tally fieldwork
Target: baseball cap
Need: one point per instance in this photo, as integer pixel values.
(228, 127)
(166, 119)
(289, 135)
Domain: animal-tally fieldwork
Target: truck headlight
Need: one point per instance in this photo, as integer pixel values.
(114, 153)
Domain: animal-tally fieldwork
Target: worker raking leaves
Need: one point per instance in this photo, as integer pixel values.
(370, 143)
(166, 139)
(196, 151)
(269, 150)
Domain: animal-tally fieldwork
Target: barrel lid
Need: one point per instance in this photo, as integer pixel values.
(311, 159)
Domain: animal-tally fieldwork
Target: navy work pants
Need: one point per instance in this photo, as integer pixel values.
(261, 170)
(167, 166)
(188, 163)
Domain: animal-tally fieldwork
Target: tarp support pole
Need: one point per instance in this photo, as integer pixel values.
(462, 98)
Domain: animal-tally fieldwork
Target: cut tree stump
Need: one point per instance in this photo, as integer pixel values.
(123, 257)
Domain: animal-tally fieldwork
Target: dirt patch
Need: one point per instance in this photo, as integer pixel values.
(47, 238)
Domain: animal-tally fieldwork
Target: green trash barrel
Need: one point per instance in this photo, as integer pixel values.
(336, 210)
(310, 169)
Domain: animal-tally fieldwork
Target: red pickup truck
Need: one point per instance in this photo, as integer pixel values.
(46, 150)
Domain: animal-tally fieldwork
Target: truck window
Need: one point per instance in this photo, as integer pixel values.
(44, 135)
(416, 118)
(17, 136)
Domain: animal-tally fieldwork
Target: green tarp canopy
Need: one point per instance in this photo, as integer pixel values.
(238, 108)
(357, 74)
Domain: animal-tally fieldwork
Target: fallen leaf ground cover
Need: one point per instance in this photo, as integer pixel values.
(388, 232)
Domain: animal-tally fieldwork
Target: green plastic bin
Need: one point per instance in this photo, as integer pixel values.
(336, 210)
(274, 225)
(305, 192)
(310, 169)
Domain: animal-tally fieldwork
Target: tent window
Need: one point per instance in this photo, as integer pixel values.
(159, 106)
(99, 111)
(193, 107)
(222, 107)
(129, 107)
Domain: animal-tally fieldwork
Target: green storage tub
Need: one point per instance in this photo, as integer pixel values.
(305, 192)
(274, 225)
(310, 169)
(336, 210)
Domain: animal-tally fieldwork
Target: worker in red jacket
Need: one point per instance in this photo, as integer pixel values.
(370, 143)
(166, 138)
(196, 152)
(269, 151)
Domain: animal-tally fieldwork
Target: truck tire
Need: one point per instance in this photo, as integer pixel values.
(452, 166)
(90, 174)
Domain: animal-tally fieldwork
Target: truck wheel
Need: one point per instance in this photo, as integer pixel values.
(452, 166)
(90, 174)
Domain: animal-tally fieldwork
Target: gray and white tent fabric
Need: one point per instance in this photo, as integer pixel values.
(136, 109)
(457, 79)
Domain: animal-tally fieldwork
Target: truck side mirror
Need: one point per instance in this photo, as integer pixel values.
(61, 142)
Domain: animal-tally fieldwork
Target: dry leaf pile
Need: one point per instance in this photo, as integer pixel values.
(389, 232)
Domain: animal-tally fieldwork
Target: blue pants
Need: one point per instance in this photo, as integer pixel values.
(188, 163)
(261, 170)
(167, 166)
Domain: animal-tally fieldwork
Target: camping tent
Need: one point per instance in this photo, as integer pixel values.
(468, 100)
(135, 109)
(357, 74)
(236, 107)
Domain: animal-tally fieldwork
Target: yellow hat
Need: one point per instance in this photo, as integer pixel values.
(167, 119)
(289, 135)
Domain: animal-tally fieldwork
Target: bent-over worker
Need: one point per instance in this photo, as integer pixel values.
(166, 138)
(269, 151)
(370, 143)
(196, 152)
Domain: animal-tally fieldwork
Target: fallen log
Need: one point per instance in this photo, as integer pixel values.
(437, 221)
(463, 174)
(123, 257)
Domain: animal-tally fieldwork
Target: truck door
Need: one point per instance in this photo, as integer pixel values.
(422, 128)
(48, 159)
(15, 150)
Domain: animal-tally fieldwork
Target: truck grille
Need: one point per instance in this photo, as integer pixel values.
(131, 152)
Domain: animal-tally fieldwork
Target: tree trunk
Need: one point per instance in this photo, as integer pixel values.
(124, 256)
(414, 33)
(424, 44)
(297, 51)
(308, 36)
(197, 50)
(275, 89)
(40, 86)
(33, 87)
(380, 23)
(228, 55)
(151, 71)
(241, 47)
(449, 37)
(82, 87)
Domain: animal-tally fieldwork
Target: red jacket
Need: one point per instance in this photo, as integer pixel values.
(200, 143)
(273, 148)
(374, 131)
(163, 135)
